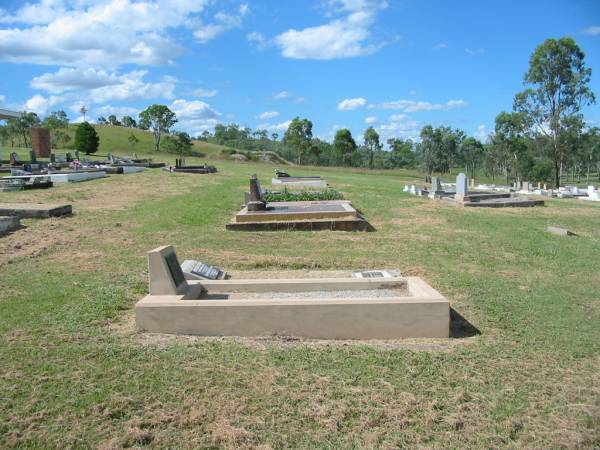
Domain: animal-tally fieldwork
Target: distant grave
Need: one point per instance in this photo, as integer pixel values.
(487, 199)
(321, 308)
(284, 179)
(34, 210)
(9, 223)
(182, 167)
(259, 215)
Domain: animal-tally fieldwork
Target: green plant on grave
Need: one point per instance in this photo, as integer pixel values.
(302, 196)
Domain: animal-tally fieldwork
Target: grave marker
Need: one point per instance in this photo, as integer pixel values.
(461, 186)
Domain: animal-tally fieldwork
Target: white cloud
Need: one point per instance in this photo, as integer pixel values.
(345, 37)
(223, 22)
(99, 86)
(118, 111)
(370, 120)
(2, 99)
(258, 40)
(400, 126)
(69, 79)
(481, 133)
(133, 87)
(440, 46)
(283, 126)
(474, 51)
(104, 33)
(281, 95)
(592, 31)
(416, 106)
(200, 92)
(41, 105)
(194, 116)
(267, 115)
(351, 103)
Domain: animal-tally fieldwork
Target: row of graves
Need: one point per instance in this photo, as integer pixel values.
(257, 214)
(468, 195)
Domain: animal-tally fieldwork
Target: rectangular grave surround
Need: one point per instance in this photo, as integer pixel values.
(321, 308)
(318, 215)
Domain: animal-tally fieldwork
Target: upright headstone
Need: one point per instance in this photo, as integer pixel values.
(14, 159)
(52, 158)
(256, 202)
(545, 187)
(436, 187)
(525, 186)
(472, 183)
(40, 142)
(69, 157)
(32, 158)
(461, 186)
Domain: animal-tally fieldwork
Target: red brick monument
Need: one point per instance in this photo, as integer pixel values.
(40, 142)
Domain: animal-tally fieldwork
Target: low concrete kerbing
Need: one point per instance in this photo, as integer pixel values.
(9, 223)
(233, 307)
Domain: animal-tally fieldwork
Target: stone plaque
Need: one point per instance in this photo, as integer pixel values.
(202, 270)
(174, 269)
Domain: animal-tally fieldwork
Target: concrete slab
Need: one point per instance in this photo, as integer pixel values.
(34, 210)
(9, 223)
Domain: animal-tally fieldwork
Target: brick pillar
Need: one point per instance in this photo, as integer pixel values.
(40, 142)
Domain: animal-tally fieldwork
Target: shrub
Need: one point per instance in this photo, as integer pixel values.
(302, 196)
(86, 138)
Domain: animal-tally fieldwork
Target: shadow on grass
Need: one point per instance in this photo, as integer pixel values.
(461, 327)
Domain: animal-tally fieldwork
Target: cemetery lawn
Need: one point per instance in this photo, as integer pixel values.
(521, 371)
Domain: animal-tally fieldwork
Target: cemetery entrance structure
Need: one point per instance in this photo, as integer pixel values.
(320, 308)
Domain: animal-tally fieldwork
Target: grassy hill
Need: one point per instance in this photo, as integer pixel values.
(115, 140)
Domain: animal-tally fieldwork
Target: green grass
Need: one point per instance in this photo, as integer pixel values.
(73, 373)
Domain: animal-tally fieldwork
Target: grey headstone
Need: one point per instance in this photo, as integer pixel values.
(461, 185)
(256, 202)
(436, 184)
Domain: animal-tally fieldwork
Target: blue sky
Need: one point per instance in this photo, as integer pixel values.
(396, 65)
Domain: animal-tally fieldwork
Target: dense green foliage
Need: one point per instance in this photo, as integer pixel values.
(302, 196)
(86, 138)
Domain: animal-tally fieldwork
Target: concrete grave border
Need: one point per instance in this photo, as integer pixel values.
(179, 307)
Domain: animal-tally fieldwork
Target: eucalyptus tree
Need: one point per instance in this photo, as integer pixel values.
(298, 137)
(372, 144)
(344, 148)
(558, 82)
(158, 118)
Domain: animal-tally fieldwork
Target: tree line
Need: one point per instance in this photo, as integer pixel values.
(544, 138)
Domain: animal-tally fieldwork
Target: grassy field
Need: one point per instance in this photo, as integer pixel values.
(522, 369)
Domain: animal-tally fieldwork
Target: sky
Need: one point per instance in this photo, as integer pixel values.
(396, 65)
